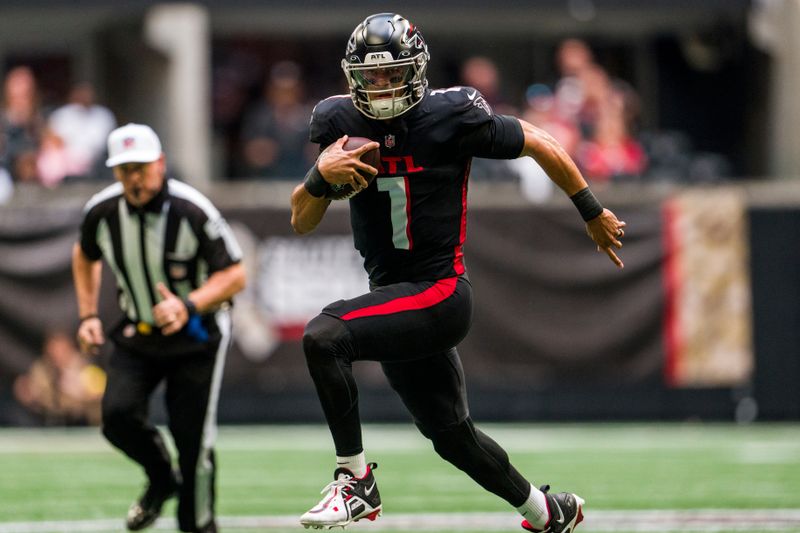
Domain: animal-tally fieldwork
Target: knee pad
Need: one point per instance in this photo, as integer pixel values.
(325, 337)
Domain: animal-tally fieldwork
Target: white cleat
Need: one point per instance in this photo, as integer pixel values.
(347, 499)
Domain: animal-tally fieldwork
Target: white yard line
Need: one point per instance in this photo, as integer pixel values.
(655, 521)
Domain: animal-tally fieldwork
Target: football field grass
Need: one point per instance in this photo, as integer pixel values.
(634, 477)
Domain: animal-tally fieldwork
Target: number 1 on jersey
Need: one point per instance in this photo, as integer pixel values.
(397, 187)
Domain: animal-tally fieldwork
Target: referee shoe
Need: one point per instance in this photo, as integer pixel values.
(347, 499)
(144, 511)
(566, 512)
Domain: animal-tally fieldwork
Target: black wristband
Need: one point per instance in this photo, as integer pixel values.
(315, 184)
(87, 317)
(191, 309)
(587, 204)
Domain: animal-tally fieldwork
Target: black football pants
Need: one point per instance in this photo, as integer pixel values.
(412, 330)
(192, 384)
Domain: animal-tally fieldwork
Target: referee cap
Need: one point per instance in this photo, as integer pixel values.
(133, 143)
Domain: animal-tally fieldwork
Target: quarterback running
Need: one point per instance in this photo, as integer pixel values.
(409, 224)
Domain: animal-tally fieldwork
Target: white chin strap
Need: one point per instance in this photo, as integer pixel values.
(388, 107)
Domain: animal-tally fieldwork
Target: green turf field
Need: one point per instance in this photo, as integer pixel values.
(656, 477)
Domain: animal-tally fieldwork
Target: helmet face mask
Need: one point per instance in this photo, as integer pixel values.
(385, 66)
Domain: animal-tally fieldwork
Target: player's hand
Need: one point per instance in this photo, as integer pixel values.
(607, 232)
(90, 336)
(339, 166)
(169, 314)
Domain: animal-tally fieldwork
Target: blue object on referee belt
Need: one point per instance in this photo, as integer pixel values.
(196, 330)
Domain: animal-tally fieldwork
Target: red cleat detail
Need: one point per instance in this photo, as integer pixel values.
(373, 515)
(527, 525)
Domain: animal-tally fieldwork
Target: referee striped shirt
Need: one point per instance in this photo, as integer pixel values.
(178, 238)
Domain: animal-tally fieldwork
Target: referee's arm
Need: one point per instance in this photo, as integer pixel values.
(86, 275)
(172, 313)
(220, 287)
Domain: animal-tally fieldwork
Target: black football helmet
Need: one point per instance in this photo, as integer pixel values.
(385, 65)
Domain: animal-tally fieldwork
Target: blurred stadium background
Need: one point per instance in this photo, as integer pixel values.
(684, 116)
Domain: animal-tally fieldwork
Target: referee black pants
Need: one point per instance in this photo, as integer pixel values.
(192, 384)
(412, 330)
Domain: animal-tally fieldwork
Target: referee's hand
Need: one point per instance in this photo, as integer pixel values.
(169, 314)
(90, 336)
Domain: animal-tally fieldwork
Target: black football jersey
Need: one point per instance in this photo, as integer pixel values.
(410, 223)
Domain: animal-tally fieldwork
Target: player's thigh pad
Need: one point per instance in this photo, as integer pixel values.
(403, 321)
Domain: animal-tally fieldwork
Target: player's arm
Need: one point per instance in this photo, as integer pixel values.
(602, 225)
(221, 286)
(86, 275)
(334, 166)
(307, 209)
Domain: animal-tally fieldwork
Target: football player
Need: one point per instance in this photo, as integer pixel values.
(409, 225)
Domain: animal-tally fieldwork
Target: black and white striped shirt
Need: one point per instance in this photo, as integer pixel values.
(178, 238)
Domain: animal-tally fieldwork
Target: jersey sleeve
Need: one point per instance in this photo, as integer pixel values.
(462, 108)
(323, 128)
(218, 245)
(480, 132)
(476, 131)
(87, 238)
(500, 138)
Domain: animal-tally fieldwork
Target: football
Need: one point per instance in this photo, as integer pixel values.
(373, 157)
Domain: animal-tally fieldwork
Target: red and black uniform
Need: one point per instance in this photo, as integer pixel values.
(410, 227)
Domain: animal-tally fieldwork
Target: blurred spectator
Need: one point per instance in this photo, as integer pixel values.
(611, 153)
(21, 124)
(481, 73)
(53, 162)
(591, 115)
(76, 136)
(546, 111)
(573, 57)
(575, 63)
(229, 98)
(275, 130)
(61, 386)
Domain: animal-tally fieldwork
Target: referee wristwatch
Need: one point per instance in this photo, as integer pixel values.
(191, 309)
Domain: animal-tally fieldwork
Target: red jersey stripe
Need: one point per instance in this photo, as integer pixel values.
(458, 260)
(440, 291)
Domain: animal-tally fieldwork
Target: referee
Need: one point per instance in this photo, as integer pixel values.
(177, 266)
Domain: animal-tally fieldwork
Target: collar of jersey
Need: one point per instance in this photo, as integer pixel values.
(156, 202)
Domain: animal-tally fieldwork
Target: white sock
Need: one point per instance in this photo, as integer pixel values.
(357, 464)
(534, 510)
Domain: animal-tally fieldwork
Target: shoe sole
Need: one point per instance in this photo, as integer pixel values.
(371, 516)
(144, 525)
